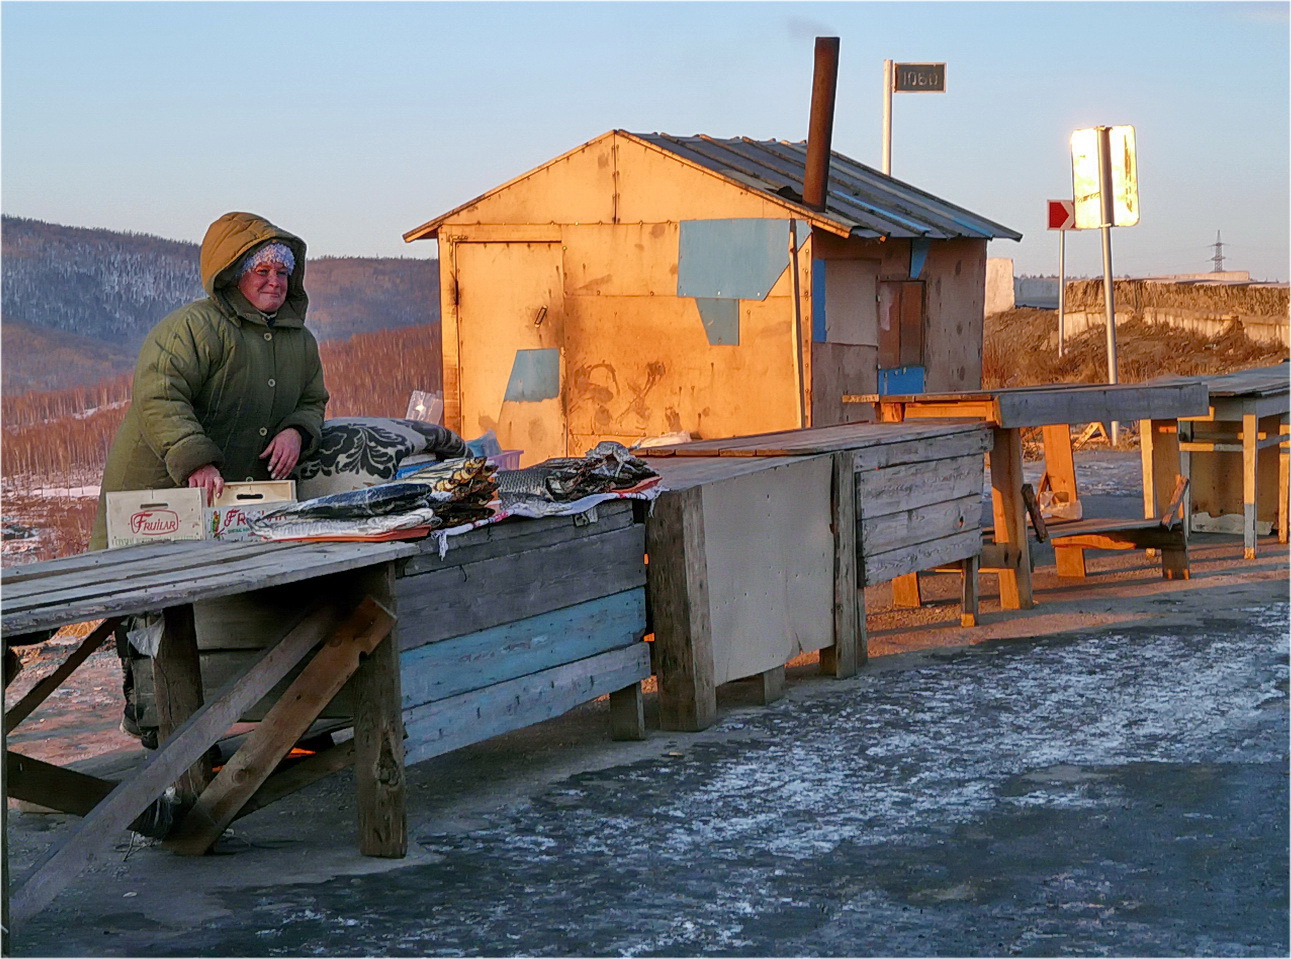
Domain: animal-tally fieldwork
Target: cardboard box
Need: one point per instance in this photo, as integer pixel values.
(227, 519)
(154, 515)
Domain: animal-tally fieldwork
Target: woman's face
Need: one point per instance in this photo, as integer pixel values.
(265, 287)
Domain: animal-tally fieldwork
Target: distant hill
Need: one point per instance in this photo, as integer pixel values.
(80, 300)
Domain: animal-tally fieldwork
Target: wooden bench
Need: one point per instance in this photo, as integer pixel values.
(1168, 534)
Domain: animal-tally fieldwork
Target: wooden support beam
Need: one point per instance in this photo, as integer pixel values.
(1010, 517)
(627, 714)
(905, 591)
(99, 830)
(679, 607)
(54, 787)
(841, 659)
(969, 593)
(1284, 477)
(282, 726)
(1060, 462)
(380, 783)
(177, 674)
(40, 692)
(1250, 474)
(770, 684)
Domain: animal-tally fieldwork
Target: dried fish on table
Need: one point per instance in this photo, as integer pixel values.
(383, 500)
(415, 522)
(607, 467)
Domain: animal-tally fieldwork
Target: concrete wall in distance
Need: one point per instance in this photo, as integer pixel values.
(999, 284)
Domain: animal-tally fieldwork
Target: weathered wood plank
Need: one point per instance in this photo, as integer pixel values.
(96, 833)
(966, 439)
(882, 567)
(680, 611)
(466, 599)
(917, 484)
(878, 534)
(40, 692)
(380, 786)
(146, 557)
(461, 663)
(440, 727)
(283, 726)
(516, 536)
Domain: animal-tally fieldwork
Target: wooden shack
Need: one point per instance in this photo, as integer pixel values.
(645, 284)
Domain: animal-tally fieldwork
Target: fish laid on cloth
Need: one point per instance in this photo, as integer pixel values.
(607, 467)
(470, 484)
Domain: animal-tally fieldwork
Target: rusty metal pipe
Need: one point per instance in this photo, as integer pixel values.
(821, 131)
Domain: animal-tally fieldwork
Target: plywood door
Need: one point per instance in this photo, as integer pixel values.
(900, 323)
(510, 345)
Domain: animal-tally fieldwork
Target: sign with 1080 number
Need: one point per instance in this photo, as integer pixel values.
(919, 77)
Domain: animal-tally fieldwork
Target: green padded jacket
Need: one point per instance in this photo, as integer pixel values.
(216, 380)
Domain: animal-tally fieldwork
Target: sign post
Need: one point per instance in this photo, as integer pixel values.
(1062, 217)
(906, 78)
(1104, 174)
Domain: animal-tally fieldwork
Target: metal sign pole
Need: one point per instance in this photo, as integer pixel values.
(887, 117)
(1062, 292)
(1109, 300)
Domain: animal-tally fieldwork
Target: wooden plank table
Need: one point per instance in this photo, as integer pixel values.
(1246, 429)
(517, 622)
(761, 544)
(1053, 408)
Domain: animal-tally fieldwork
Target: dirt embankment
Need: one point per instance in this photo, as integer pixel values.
(1020, 348)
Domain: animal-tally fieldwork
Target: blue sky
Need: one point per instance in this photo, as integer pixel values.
(352, 122)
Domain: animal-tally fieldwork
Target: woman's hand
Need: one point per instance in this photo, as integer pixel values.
(283, 452)
(208, 478)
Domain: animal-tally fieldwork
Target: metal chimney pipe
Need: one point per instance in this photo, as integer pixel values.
(823, 86)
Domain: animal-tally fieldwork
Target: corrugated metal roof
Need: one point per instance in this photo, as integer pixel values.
(863, 200)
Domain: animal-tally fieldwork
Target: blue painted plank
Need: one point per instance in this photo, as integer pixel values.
(819, 329)
(919, 248)
(901, 380)
(447, 724)
(535, 375)
(731, 259)
(451, 666)
(721, 319)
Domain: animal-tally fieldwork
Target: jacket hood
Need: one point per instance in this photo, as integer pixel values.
(229, 239)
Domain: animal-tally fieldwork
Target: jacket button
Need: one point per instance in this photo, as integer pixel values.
(268, 336)
(263, 431)
(273, 383)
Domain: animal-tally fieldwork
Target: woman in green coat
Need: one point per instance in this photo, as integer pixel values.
(229, 387)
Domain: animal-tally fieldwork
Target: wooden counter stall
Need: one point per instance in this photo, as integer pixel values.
(1055, 408)
(761, 545)
(518, 622)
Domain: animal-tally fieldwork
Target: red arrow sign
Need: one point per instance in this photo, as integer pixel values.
(1062, 214)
